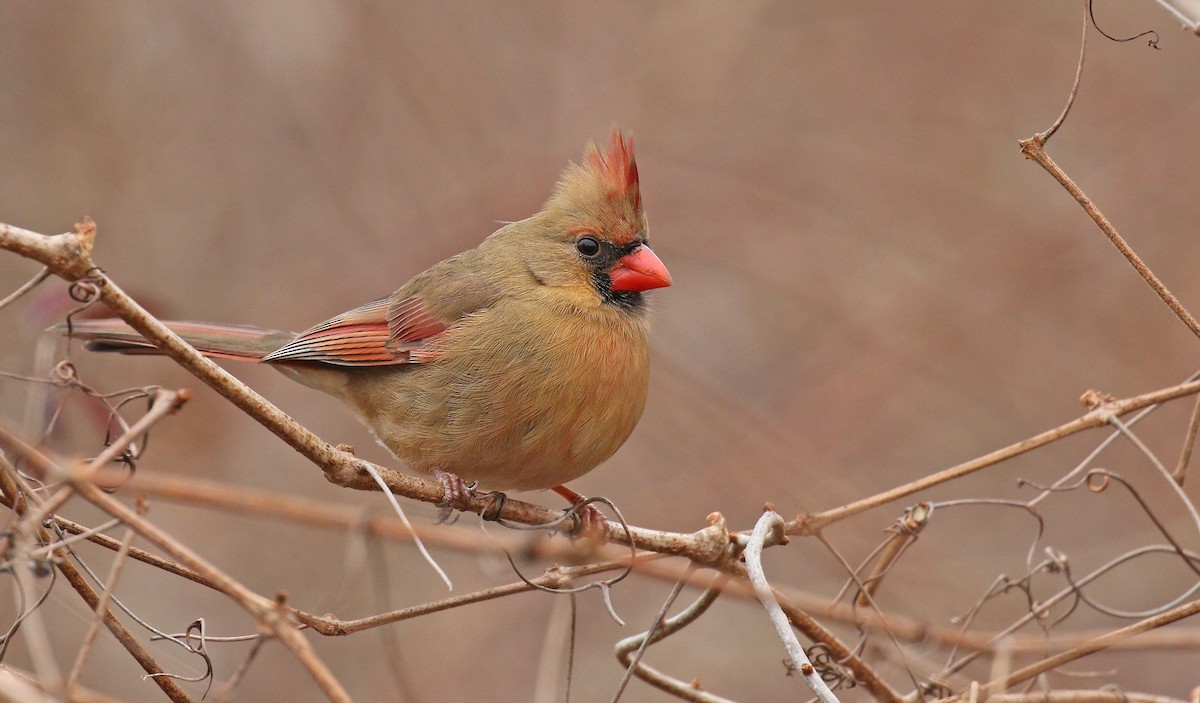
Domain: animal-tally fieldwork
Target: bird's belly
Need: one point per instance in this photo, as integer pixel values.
(533, 420)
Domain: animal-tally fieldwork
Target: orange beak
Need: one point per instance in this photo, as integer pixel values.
(639, 271)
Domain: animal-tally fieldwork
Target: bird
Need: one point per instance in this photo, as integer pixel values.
(521, 364)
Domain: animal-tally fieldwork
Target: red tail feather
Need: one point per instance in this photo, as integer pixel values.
(238, 342)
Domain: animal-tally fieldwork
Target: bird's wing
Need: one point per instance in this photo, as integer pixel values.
(401, 329)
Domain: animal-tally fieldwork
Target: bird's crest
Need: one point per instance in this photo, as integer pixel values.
(616, 168)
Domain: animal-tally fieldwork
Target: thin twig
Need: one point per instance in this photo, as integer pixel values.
(1176, 488)
(558, 629)
(554, 577)
(1153, 43)
(387, 492)
(1192, 23)
(1189, 443)
(1098, 695)
(135, 553)
(36, 636)
(26, 287)
(1096, 451)
(1045, 136)
(1034, 148)
(47, 550)
(69, 256)
(1042, 607)
(226, 691)
(904, 533)
(10, 480)
(882, 690)
(110, 584)
(771, 526)
(127, 640)
(165, 402)
(687, 691)
(267, 613)
(648, 635)
(1099, 644)
(809, 523)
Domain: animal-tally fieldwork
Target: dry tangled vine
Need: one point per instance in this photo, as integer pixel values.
(852, 641)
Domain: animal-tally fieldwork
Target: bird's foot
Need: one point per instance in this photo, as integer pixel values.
(456, 495)
(592, 522)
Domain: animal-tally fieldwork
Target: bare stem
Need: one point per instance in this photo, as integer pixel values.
(114, 573)
(1045, 136)
(687, 691)
(1189, 443)
(12, 484)
(809, 523)
(1035, 148)
(69, 256)
(770, 525)
(1100, 643)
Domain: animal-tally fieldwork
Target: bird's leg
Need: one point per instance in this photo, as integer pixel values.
(456, 494)
(591, 520)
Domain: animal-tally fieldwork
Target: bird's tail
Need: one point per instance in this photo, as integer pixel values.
(240, 342)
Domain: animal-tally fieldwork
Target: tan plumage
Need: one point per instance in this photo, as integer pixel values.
(521, 363)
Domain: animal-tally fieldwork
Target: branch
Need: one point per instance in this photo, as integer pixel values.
(1101, 695)
(770, 526)
(110, 583)
(1035, 148)
(69, 256)
(1098, 644)
(1102, 415)
(666, 627)
(10, 481)
(267, 613)
(555, 577)
(18, 686)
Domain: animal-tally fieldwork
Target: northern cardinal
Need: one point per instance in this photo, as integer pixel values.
(521, 364)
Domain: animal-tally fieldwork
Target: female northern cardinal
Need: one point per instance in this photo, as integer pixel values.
(521, 363)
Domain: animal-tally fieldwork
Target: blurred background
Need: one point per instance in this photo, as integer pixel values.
(871, 284)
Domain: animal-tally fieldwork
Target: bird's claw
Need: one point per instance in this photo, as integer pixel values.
(456, 495)
(590, 522)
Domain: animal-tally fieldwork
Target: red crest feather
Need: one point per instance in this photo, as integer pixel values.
(617, 168)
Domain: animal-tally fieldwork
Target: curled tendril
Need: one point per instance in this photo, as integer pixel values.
(830, 669)
(195, 643)
(1153, 43)
(85, 290)
(572, 513)
(24, 611)
(1097, 481)
(65, 373)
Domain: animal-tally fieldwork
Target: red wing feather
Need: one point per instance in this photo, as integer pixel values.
(360, 337)
(407, 331)
(410, 320)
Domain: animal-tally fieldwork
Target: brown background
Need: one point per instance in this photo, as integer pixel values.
(871, 283)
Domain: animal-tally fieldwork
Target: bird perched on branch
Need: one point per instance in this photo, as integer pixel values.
(521, 364)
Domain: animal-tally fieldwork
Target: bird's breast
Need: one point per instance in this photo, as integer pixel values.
(518, 398)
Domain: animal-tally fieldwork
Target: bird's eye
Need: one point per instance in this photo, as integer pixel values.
(587, 247)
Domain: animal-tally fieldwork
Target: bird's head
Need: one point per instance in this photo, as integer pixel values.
(596, 230)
